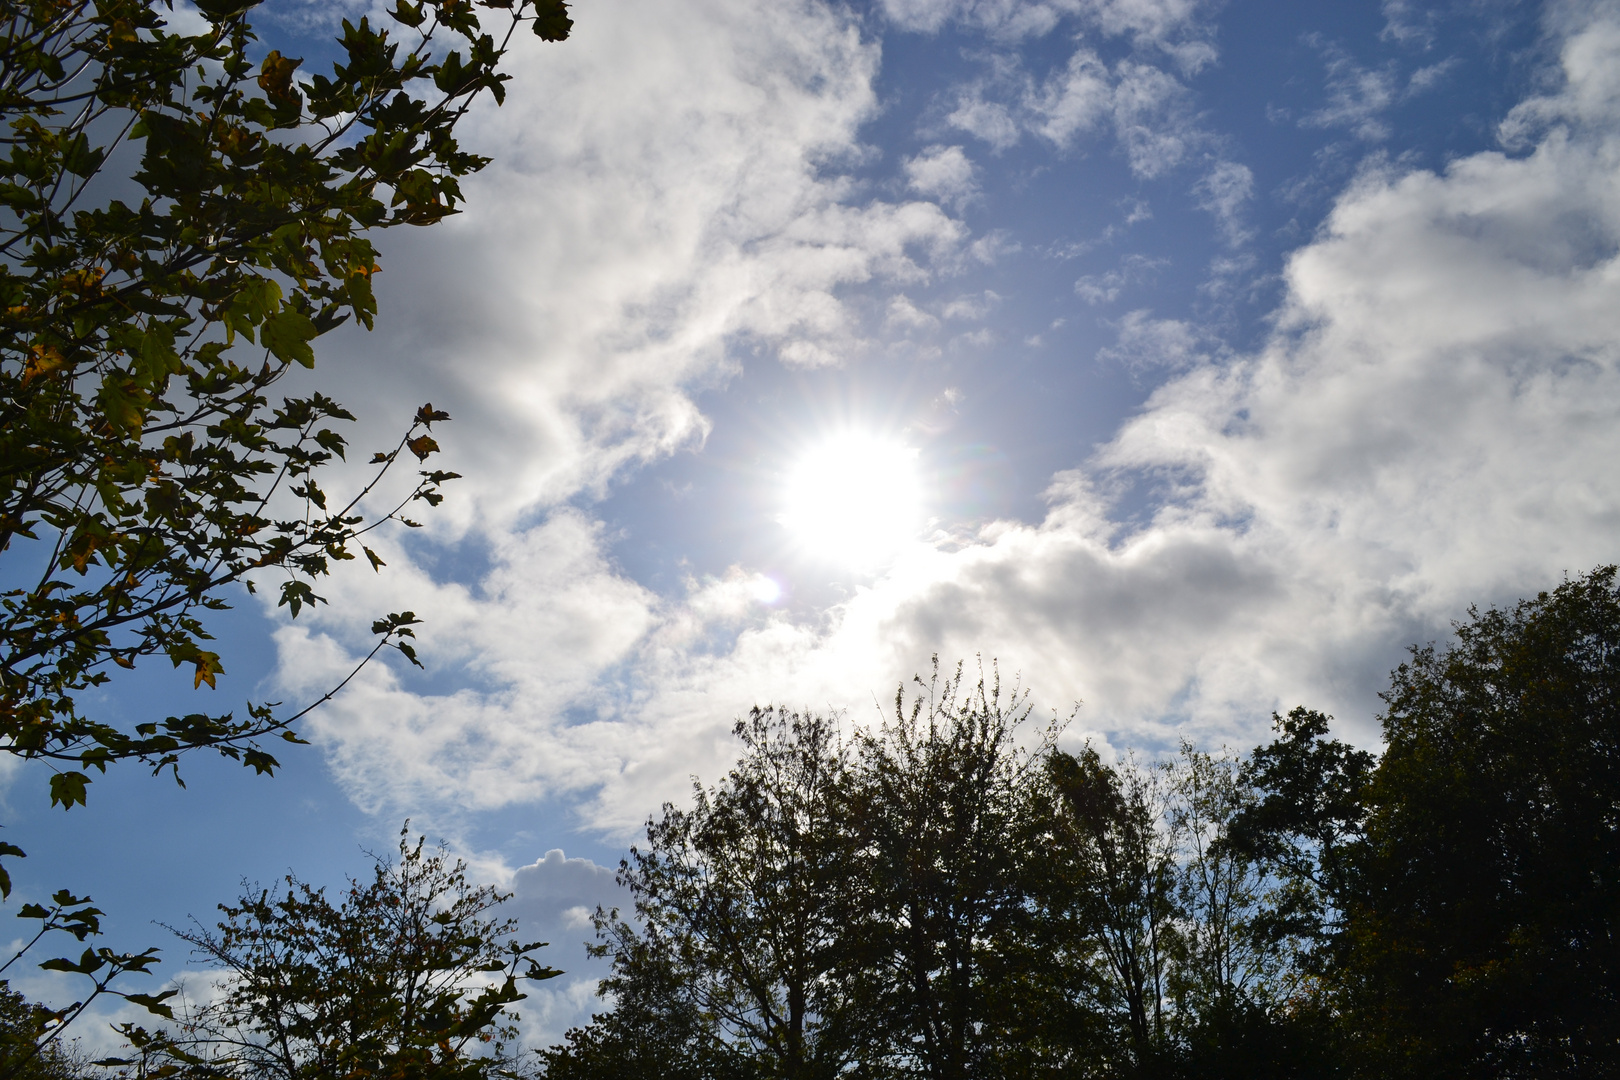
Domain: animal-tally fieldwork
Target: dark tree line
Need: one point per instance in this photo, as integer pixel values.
(952, 896)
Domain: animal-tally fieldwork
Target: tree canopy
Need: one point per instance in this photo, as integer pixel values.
(946, 895)
(1483, 920)
(184, 213)
(407, 977)
(951, 895)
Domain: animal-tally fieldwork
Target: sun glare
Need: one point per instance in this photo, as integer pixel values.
(853, 499)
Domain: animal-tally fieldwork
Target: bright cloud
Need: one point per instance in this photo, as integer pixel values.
(625, 234)
(944, 173)
(1431, 422)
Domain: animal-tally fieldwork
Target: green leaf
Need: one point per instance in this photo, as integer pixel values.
(551, 21)
(122, 403)
(68, 788)
(287, 335)
(87, 964)
(295, 594)
(153, 1003)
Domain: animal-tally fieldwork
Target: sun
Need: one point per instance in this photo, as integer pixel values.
(853, 499)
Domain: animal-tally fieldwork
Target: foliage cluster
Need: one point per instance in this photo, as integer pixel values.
(944, 897)
(408, 976)
(183, 212)
(181, 216)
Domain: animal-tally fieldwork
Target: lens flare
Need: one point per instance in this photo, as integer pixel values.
(853, 499)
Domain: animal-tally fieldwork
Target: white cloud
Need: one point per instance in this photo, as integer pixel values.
(1433, 422)
(1140, 98)
(1176, 28)
(1002, 18)
(993, 246)
(1076, 101)
(1225, 192)
(991, 121)
(1145, 343)
(537, 636)
(905, 315)
(971, 307)
(553, 899)
(1105, 288)
(1147, 109)
(944, 173)
(626, 234)
(1152, 117)
(1356, 97)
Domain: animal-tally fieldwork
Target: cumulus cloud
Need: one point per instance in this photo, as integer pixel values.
(1431, 423)
(553, 899)
(944, 173)
(535, 636)
(626, 234)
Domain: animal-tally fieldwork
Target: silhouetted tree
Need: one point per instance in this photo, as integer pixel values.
(1304, 824)
(1484, 908)
(25, 1053)
(407, 977)
(1121, 897)
(1246, 1003)
(742, 903)
(184, 215)
(954, 846)
(965, 907)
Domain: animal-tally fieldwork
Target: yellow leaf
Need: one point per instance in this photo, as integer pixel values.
(275, 76)
(44, 360)
(208, 666)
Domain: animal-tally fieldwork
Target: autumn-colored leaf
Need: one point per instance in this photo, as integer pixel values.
(42, 360)
(208, 666)
(275, 76)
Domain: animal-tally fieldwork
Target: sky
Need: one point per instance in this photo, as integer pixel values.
(1185, 361)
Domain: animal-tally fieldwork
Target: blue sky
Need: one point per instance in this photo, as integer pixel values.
(1190, 360)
